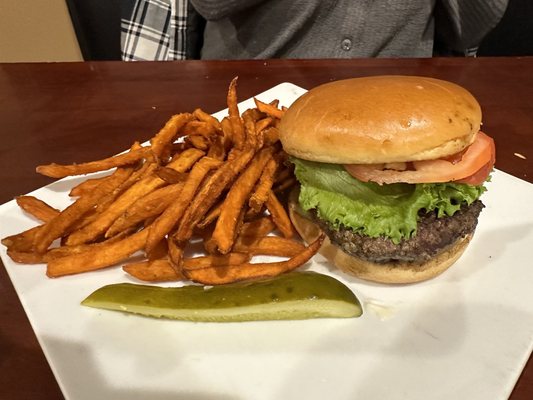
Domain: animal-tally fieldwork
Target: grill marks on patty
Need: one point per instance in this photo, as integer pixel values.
(433, 235)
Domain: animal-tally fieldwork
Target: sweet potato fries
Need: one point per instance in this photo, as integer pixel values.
(198, 201)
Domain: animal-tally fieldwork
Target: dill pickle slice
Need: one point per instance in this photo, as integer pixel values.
(295, 295)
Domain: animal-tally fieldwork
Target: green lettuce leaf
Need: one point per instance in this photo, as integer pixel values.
(372, 209)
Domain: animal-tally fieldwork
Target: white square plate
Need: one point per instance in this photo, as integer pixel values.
(463, 335)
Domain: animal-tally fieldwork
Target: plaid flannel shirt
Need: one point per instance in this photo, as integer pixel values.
(156, 31)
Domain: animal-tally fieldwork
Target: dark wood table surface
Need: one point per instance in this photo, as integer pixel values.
(69, 112)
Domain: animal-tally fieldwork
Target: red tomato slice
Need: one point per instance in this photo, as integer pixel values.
(481, 176)
(477, 157)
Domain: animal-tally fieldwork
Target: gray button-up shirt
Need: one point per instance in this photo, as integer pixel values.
(238, 29)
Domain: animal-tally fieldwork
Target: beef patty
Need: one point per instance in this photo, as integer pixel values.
(433, 235)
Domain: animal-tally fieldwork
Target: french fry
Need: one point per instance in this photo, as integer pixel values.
(215, 260)
(227, 132)
(64, 251)
(37, 208)
(211, 216)
(251, 137)
(153, 271)
(270, 135)
(172, 215)
(211, 245)
(261, 192)
(269, 109)
(170, 175)
(199, 128)
(217, 148)
(185, 160)
(279, 215)
(149, 206)
(86, 186)
(198, 142)
(203, 116)
(139, 172)
(268, 245)
(58, 226)
(175, 254)
(263, 123)
(237, 126)
(225, 230)
(164, 138)
(159, 251)
(251, 215)
(25, 257)
(23, 241)
(97, 258)
(253, 114)
(209, 193)
(161, 270)
(234, 273)
(257, 228)
(60, 171)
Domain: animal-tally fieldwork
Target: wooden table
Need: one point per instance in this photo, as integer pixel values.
(82, 111)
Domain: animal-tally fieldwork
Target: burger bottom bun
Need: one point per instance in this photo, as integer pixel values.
(397, 272)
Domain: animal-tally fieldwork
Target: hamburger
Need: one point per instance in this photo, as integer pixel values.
(391, 168)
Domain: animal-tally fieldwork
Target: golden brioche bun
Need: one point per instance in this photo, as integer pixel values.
(398, 272)
(380, 119)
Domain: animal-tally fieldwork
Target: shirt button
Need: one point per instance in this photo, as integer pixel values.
(346, 44)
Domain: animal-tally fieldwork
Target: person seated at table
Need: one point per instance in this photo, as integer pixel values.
(262, 29)
(242, 29)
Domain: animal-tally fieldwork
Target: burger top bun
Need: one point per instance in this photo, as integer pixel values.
(380, 119)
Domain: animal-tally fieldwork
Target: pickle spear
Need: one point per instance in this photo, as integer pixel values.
(295, 295)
